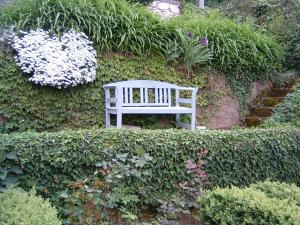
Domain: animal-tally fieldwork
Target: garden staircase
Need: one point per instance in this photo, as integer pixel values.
(262, 107)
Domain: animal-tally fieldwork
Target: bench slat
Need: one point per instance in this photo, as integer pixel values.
(126, 95)
(130, 95)
(184, 100)
(142, 95)
(156, 95)
(160, 90)
(146, 95)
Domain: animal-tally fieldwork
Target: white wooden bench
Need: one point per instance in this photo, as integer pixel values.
(148, 97)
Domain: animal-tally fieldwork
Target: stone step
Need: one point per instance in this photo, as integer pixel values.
(271, 101)
(254, 121)
(261, 111)
(279, 92)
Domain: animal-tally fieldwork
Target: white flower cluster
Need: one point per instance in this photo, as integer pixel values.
(58, 62)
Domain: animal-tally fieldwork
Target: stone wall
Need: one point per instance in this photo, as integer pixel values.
(165, 8)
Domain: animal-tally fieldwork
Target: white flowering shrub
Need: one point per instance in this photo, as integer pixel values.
(58, 62)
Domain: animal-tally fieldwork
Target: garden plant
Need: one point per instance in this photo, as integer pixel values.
(55, 57)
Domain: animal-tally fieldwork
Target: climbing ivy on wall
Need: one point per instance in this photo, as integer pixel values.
(30, 107)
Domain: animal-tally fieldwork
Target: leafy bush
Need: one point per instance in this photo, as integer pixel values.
(9, 170)
(237, 49)
(287, 112)
(282, 191)
(112, 25)
(275, 17)
(118, 25)
(91, 200)
(246, 206)
(19, 207)
(280, 18)
(241, 157)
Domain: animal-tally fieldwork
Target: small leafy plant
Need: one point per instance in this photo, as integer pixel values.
(9, 170)
(190, 50)
(98, 198)
(187, 193)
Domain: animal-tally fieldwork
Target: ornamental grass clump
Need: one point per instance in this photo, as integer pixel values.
(60, 63)
(190, 50)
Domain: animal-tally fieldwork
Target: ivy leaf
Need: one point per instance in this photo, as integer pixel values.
(10, 180)
(100, 164)
(3, 174)
(15, 169)
(11, 156)
(64, 195)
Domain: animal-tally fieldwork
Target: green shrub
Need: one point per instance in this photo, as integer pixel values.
(120, 26)
(112, 25)
(288, 112)
(241, 157)
(246, 206)
(282, 191)
(18, 207)
(237, 48)
(280, 18)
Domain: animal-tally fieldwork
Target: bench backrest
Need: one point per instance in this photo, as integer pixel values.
(144, 92)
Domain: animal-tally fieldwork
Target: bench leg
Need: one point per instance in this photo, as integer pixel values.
(177, 120)
(119, 120)
(193, 121)
(107, 120)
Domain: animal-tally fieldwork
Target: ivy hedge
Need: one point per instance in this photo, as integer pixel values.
(26, 106)
(240, 157)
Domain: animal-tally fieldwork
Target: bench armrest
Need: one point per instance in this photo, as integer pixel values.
(187, 89)
(191, 100)
(109, 86)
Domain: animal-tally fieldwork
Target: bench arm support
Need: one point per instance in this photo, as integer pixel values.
(191, 100)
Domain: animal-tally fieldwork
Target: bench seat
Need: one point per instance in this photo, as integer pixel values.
(150, 110)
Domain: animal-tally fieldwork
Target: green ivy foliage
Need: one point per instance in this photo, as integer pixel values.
(30, 107)
(246, 206)
(241, 157)
(288, 112)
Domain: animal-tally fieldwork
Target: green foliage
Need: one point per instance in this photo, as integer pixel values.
(246, 206)
(187, 193)
(241, 157)
(237, 49)
(112, 25)
(282, 191)
(280, 18)
(91, 200)
(275, 17)
(288, 112)
(9, 170)
(30, 107)
(19, 207)
(189, 50)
